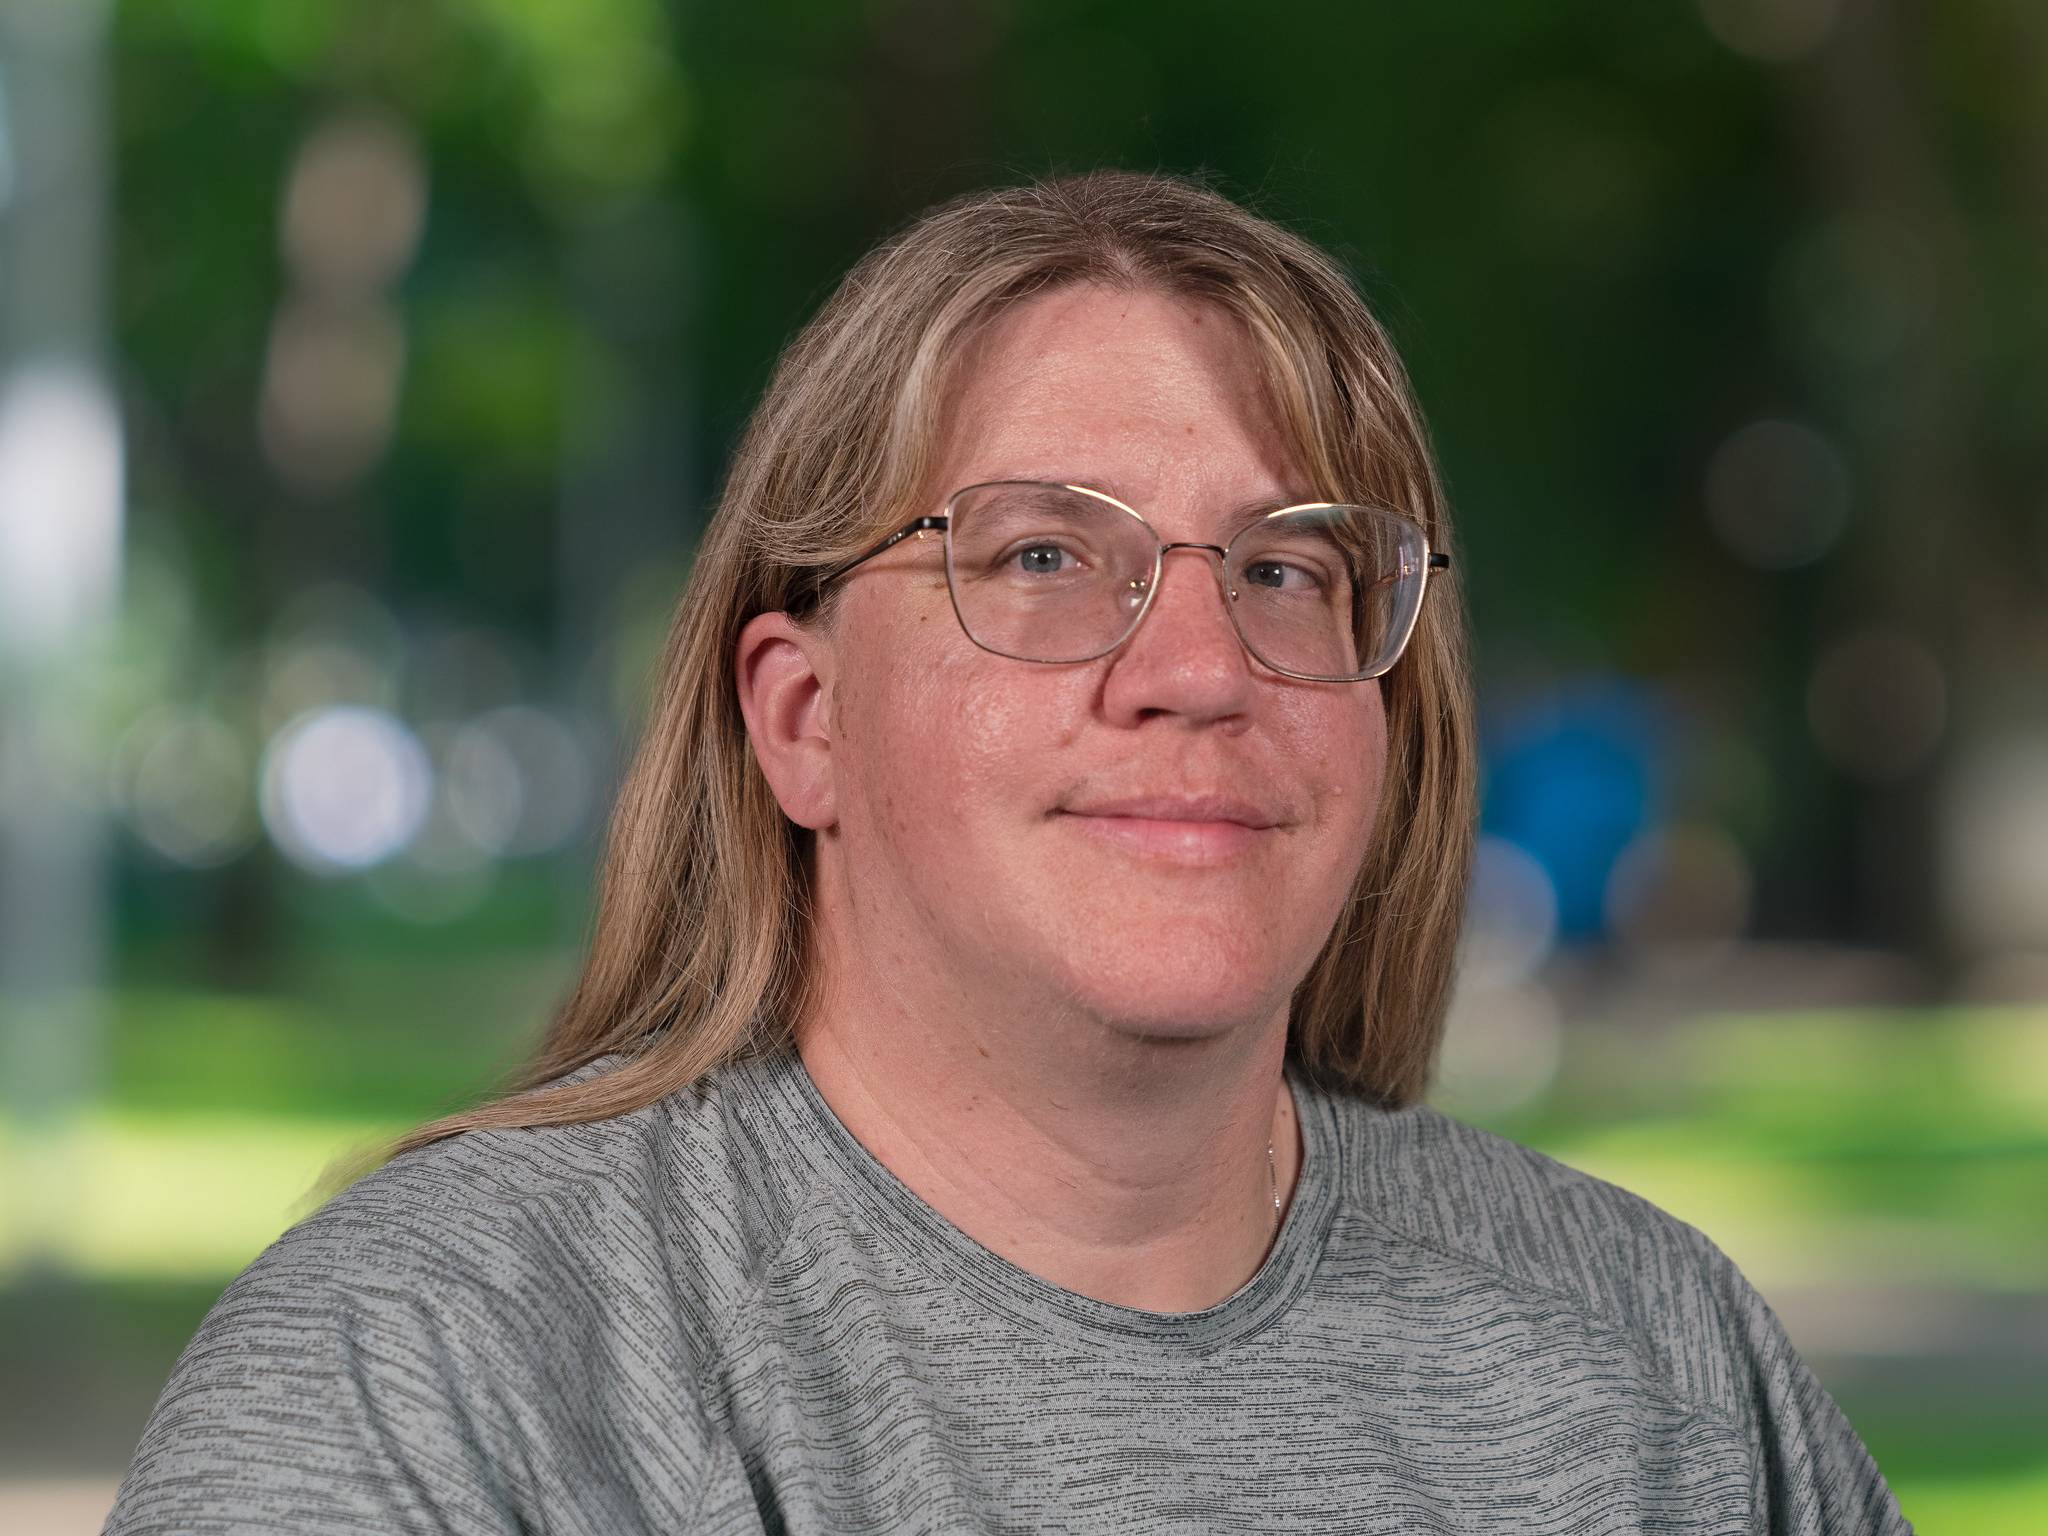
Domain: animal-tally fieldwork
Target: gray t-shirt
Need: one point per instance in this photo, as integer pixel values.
(721, 1314)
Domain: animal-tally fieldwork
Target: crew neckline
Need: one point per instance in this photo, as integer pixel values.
(1030, 1301)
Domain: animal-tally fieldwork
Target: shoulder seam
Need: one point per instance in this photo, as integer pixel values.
(1637, 1342)
(743, 1306)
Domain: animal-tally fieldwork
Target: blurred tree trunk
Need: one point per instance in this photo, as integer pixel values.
(60, 552)
(1914, 560)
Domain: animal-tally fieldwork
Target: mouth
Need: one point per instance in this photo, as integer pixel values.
(1200, 831)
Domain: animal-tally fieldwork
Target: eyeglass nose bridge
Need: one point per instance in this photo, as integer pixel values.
(1222, 570)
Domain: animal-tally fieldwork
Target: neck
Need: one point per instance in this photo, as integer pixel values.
(1125, 1166)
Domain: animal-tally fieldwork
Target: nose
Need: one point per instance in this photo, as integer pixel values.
(1185, 656)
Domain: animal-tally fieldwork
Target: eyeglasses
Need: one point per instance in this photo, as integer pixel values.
(1055, 573)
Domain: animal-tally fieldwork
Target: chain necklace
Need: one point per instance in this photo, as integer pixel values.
(1273, 1173)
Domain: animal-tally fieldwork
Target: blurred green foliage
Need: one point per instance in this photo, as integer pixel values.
(1602, 240)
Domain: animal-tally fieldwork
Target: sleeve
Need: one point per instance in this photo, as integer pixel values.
(1813, 1475)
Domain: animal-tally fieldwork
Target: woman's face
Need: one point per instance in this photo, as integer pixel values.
(961, 779)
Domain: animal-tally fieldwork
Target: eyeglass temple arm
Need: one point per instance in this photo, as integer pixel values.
(1436, 563)
(915, 525)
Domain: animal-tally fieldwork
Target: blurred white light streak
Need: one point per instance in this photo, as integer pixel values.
(60, 505)
(8, 172)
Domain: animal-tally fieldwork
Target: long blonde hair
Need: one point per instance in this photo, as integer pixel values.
(699, 952)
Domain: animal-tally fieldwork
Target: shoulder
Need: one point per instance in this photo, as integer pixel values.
(557, 1230)
(504, 1257)
(1493, 1211)
(1539, 1226)
(456, 1338)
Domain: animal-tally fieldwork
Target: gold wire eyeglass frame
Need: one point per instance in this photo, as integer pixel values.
(942, 523)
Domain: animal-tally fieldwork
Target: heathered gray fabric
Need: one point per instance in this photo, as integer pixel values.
(721, 1314)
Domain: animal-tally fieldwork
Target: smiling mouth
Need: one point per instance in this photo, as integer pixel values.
(1197, 843)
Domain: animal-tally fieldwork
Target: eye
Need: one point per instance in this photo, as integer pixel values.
(1043, 559)
(1273, 574)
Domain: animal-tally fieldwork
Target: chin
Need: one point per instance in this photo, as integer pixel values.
(1181, 945)
(1178, 1029)
(1182, 1005)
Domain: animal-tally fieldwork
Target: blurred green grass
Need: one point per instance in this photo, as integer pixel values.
(1825, 1151)
(385, 1036)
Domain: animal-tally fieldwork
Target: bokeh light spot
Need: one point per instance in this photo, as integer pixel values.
(344, 788)
(1777, 493)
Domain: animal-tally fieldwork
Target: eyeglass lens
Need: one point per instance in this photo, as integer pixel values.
(1042, 572)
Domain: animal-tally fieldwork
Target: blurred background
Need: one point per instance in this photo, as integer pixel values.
(367, 368)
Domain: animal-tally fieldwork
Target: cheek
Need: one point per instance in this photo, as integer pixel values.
(949, 739)
(1371, 767)
(1345, 752)
(994, 750)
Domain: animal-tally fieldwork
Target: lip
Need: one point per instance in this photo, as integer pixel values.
(1198, 831)
(1184, 808)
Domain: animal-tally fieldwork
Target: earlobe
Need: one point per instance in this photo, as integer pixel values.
(782, 673)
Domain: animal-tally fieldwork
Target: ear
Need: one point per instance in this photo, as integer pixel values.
(783, 673)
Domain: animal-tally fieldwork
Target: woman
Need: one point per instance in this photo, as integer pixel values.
(991, 1101)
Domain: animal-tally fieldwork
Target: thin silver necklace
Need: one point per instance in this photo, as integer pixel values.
(1273, 1173)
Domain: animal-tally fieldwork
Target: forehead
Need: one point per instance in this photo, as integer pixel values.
(1131, 390)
